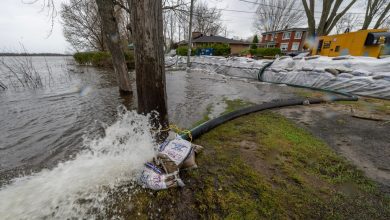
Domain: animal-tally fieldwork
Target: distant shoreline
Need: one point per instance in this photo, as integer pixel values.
(34, 54)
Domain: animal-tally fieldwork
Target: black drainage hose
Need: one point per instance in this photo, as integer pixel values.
(207, 126)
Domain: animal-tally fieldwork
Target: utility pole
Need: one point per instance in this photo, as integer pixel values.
(190, 35)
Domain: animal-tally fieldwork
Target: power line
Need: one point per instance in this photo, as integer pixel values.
(295, 9)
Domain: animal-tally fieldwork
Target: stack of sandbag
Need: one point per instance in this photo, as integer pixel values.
(174, 154)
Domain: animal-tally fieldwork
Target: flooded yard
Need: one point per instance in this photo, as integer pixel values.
(68, 134)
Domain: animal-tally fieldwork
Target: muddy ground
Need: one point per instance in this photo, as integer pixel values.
(358, 133)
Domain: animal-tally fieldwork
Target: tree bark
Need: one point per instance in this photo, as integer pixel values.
(112, 37)
(147, 32)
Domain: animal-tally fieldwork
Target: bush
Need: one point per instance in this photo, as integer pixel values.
(261, 52)
(101, 59)
(183, 51)
(245, 52)
(221, 49)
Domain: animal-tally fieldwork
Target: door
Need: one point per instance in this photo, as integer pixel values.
(319, 48)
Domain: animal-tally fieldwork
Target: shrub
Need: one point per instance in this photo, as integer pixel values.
(101, 59)
(183, 51)
(261, 52)
(245, 52)
(221, 49)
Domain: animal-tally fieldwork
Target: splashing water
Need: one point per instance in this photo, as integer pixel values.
(74, 188)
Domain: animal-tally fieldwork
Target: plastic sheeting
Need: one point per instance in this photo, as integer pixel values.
(357, 75)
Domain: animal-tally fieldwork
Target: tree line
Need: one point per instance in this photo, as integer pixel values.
(321, 17)
(83, 27)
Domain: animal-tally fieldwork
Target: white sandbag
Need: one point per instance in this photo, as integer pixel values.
(177, 150)
(361, 73)
(154, 178)
(345, 75)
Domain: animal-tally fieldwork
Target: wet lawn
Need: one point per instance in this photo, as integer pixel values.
(263, 166)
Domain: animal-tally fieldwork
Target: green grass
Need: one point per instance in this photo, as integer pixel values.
(262, 166)
(233, 105)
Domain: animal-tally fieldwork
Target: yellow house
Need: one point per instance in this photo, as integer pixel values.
(360, 43)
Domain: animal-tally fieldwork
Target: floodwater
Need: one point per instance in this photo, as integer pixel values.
(64, 144)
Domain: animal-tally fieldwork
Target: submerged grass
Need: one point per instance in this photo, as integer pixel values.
(369, 105)
(263, 166)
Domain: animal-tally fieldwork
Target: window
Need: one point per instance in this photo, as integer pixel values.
(298, 35)
(295, 46)
(272, 37)
(286, 35)
(284, 46)
(337, 49)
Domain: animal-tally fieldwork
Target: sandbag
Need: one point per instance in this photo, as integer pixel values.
(177, 150)
(173, 154)
(176, 154)
(154, 178)
(190, 162)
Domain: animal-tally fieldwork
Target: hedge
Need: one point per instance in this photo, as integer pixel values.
(219, 49)
(101, 59)
(183, 51)
(260, 52)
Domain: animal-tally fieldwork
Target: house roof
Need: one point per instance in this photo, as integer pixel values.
(215, 39)
(289, 29)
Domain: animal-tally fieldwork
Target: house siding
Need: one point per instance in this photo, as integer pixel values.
(278, 40)
(238, 48)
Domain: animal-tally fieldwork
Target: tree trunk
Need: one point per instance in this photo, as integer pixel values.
(112, 37)
(309, 10)
(329, 16)
(147, 32)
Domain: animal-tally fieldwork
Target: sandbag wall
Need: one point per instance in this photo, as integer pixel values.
(357, 75)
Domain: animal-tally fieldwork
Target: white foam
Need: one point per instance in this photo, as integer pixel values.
(108, 162)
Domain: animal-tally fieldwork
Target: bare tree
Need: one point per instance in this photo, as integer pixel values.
(331, 13)
(82, 25)
(50, 7)
(376, 9)
(385, 24)
(207, 20)
(112, 37)
(147, 31)
(276, 15)
(384, 16)
(348, 22)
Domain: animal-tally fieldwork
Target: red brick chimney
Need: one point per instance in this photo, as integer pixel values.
(196, 34)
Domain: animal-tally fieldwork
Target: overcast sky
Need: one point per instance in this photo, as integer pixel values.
(26, 24)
